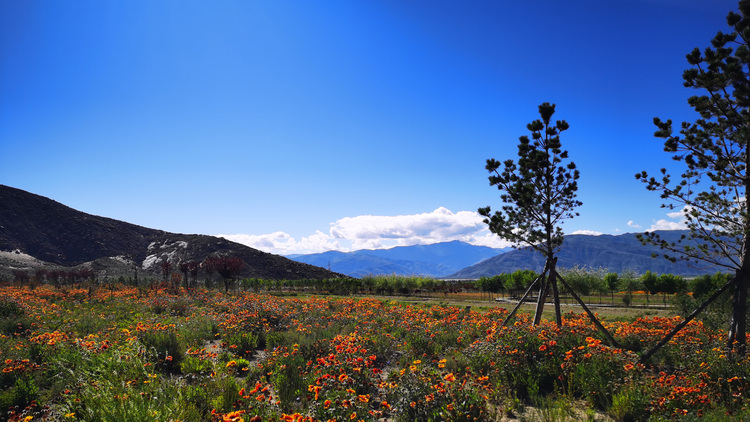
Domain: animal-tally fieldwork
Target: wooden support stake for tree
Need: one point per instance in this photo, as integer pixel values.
(591, 315)
(556, 296)
(685, 322)
(549, 267)
(525, 295)
(543, 293)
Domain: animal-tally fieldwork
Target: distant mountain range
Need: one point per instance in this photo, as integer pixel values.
(37, 232)
(435, 260)
(464, 261)
(613, 253)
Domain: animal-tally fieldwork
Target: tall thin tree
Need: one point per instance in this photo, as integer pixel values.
(712, 191)
(539, 193)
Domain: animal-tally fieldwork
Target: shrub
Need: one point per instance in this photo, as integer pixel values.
(165, 348)
(195, 365)
(13, 319)
(416, 398)
(242, 344)
(20, 395)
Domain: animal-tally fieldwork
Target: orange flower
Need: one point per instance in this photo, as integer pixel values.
(233, 416)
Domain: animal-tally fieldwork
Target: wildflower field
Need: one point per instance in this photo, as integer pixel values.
(130, 354)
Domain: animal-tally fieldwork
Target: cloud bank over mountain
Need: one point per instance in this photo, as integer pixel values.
(381, 232)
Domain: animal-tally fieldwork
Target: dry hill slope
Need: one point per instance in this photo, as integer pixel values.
(59, 235)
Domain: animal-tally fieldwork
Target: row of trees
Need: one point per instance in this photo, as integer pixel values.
(55, 277)
(586, 282)
(228, 267)
(583, 281)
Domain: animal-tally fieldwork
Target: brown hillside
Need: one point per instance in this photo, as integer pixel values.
(57, 234)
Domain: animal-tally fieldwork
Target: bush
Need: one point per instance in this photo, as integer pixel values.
(20, 395)
(13, 319)
(417, 399)
(195, 365)
(585, 281)
(242, 344)
(165, 348)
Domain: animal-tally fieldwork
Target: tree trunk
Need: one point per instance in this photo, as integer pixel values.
(738, 329)
(543, 289)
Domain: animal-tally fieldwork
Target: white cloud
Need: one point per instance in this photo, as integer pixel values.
(283, 244)
(437, 226)
(667, 225)
(588, 232)
(378, 232)
(381, 231)
(632, 225)
(681, 213)
(679, 222)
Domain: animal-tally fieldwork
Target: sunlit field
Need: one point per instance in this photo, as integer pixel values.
(143, 354)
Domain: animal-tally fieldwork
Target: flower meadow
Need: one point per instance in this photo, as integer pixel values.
(145, 354)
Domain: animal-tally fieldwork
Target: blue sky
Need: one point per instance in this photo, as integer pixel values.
(301, 126)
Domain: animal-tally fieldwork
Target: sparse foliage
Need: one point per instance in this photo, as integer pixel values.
(227, 267)
(189, 269)
(166, 268)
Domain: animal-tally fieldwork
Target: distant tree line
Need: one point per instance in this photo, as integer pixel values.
(227, 267)
(587, 282)
(675, 290)
(57, 278)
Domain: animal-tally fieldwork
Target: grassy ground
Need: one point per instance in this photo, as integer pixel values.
(479, 301)
(128, 354)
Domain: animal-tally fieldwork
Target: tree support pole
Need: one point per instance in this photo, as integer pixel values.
(543, 293)
(591, 315)
(549, 267)
(556, 296)
(685, 322)
(525, 295)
